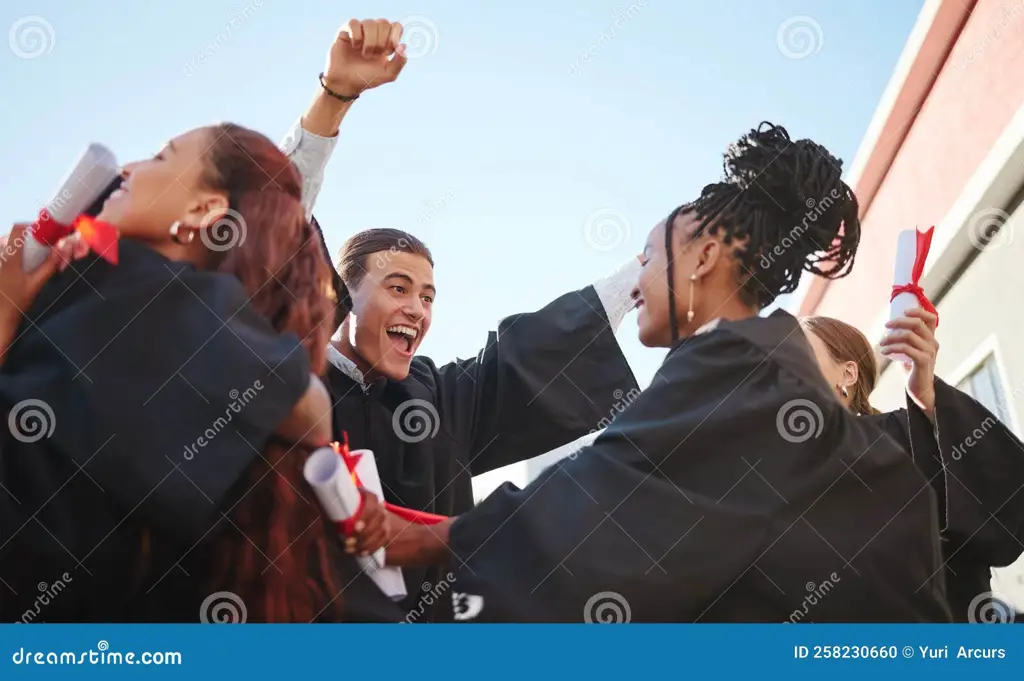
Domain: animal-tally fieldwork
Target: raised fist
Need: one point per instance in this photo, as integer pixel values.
(365, 54)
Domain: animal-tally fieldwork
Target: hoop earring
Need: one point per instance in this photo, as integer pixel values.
(689, 313)
(175, 234)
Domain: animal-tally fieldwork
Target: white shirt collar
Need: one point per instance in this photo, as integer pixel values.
(345, 365)
(710, 326)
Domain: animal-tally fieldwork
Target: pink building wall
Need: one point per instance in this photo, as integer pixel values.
(977, 90)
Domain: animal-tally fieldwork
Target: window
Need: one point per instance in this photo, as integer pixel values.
(984, 385)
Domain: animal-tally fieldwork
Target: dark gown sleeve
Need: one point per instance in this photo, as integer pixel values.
(976, 465)
(543, 379)
(160, 383)
(666, 516)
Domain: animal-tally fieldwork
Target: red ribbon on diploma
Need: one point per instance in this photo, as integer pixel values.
(924, 243)
(100, 236)
(347, 527)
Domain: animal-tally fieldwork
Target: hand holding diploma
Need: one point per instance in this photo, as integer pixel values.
(913, 336)
(913, 319)
(64, 214)
(333, 475)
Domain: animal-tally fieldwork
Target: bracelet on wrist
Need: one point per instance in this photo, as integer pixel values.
(332, 93)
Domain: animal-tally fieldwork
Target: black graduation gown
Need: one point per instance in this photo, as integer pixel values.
(542, 380)
(154, 387)
(981, 506)
(735, 488)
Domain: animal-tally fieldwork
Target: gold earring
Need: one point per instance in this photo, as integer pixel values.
(689, 313)
(175, 234)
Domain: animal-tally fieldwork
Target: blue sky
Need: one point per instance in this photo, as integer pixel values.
(515, 123)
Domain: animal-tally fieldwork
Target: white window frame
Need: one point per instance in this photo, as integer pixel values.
(990, 347)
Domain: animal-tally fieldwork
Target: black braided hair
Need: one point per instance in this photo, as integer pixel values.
(788, 208)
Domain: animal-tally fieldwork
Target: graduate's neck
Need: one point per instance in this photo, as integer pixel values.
(342, 344)
(731, 309)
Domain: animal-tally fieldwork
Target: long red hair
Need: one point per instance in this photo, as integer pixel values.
(278, 258)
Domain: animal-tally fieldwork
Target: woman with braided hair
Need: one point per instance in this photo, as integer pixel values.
(736, 487)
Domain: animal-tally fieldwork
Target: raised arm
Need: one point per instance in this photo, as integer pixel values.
(544, 378)
(364, 55)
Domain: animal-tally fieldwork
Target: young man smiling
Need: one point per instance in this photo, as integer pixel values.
(541, 380)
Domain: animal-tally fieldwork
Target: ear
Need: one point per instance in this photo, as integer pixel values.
(708, 255)
(206, 210)
(850, 374)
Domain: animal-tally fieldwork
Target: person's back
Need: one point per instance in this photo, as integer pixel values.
(735, 488)
(850, 524)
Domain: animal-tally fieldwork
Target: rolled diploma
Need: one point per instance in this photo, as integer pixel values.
(332, 483)
(906, 253)
(90, 176)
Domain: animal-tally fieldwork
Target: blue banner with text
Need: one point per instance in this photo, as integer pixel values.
(540, 651)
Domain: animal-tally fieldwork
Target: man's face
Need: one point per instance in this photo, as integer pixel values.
(391, 312)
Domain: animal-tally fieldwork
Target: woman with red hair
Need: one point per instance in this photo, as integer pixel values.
(161, 410)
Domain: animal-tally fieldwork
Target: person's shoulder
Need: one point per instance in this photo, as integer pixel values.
(423, 372)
